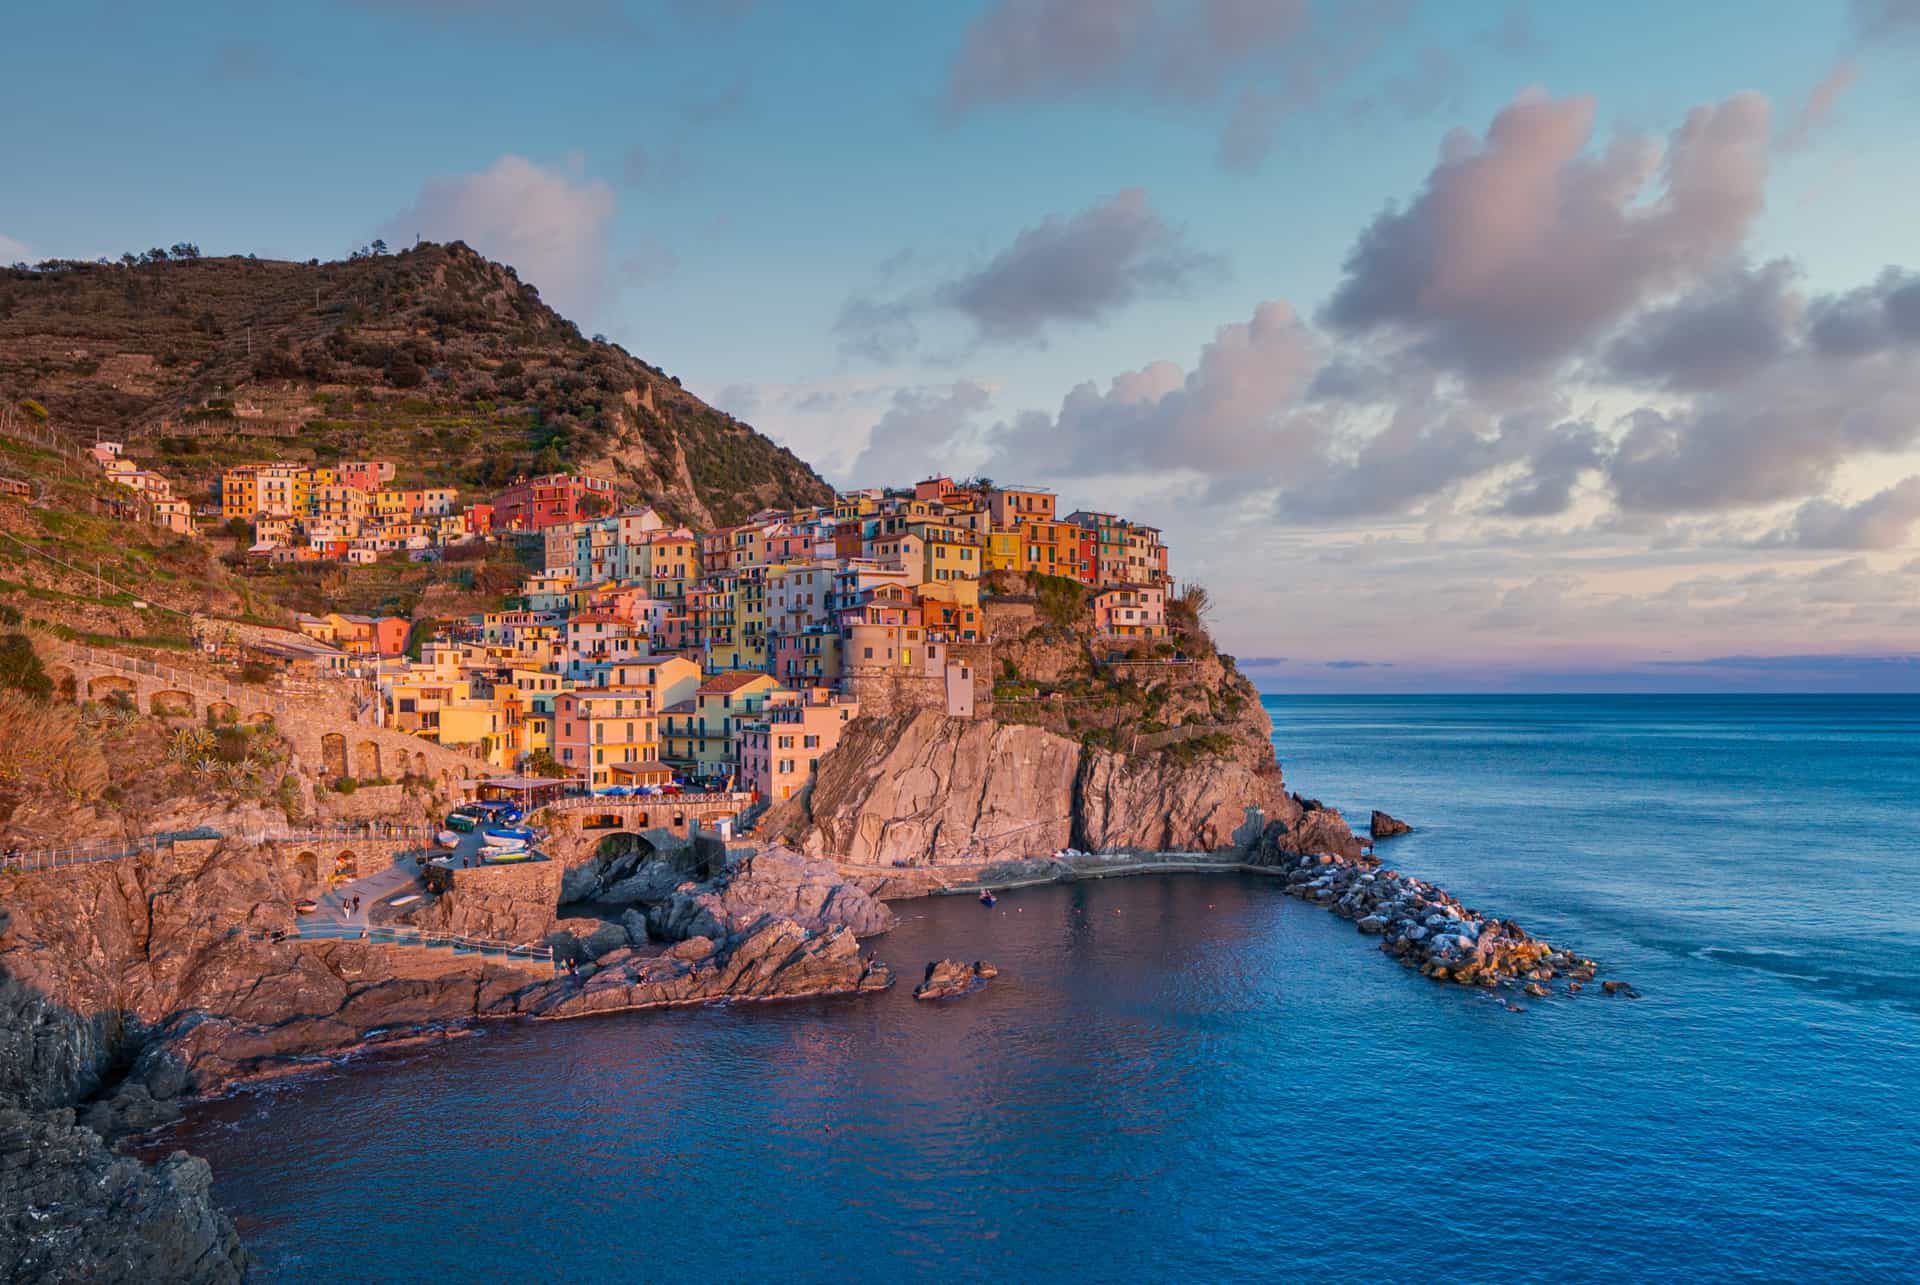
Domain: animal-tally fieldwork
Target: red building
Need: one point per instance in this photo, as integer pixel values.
(534, 504)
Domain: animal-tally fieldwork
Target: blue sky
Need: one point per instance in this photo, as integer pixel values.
(893, 234)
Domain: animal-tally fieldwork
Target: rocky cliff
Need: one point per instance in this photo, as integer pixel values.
(926, 788)
(127, 985)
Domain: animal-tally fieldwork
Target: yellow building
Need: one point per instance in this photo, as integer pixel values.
(1005, 551)
(702, 734)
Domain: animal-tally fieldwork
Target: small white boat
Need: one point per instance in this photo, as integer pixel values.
(497, 855)
(507, 838)
(447, 839)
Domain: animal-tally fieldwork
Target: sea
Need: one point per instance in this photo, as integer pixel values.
(1199, 1078)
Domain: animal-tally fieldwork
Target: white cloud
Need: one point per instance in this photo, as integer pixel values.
(552, 225)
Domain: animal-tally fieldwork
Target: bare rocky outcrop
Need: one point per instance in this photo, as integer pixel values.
(926, 788)
(72, 1210)
(1382, 826)
(950, 979)
(773, 883)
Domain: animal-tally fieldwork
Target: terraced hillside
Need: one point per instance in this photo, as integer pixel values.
(436, 358)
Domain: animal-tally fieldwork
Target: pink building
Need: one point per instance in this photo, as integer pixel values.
(364, 475)
(1131, 611)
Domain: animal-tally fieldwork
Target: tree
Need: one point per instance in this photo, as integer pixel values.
(20, 667)
(156, 255)
(130, 259)
(378, 247)
(186, 250)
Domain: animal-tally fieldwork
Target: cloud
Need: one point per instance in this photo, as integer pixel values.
(1779, 435)
(712, 104)
(1564, 455)
(236, 62)
(649, 263)
(1080, 270)
(1435, 81)
(1883, 521)
(1872, 319)
(1522, 246)
(1736, 322)
(924, 432)
(1515, 34)
(1818, 109)
(1173, 49)
(552, 20)
(550, 224)
(636, 166)
(16, 251)
(1879, 19)
(1223, 419)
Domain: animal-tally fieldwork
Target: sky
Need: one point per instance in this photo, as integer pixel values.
(1452, 345)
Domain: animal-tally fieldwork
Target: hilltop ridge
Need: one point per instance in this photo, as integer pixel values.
(435, 356)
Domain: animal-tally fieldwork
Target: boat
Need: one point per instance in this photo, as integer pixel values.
(447, 839)
(506, 837)
(495, 855)
(986, 897)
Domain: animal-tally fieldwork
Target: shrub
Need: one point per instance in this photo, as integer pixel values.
(20, 667)
(256, 671)
(346, 785)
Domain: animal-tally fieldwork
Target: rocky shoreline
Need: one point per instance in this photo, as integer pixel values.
(134, 986)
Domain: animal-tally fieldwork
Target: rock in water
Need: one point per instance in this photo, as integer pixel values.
(949, 979)
(1383, 826)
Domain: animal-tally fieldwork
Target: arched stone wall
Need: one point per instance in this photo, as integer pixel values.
(171, 703)
(333, 756)
(366, 760)
(104, 686)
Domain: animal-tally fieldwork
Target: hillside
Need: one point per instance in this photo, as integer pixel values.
(435, 358)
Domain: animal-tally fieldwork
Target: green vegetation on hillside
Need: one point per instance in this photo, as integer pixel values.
(435, 358)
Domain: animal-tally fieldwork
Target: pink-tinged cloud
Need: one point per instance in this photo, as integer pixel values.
(1819, 107)
(1523, 245)
(1183, 50)
(1882, 521)
(551, 225)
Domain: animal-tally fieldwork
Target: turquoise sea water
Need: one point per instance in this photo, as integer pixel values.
(1200, 1078)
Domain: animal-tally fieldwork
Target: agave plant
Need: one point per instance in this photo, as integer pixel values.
(189, 743)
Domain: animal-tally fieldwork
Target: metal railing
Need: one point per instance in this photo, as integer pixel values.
(78, 854)
(386, 935)
(601, 802)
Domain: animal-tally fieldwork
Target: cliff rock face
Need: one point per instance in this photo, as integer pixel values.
(71, 1210)
(775, 883)
(926, 788)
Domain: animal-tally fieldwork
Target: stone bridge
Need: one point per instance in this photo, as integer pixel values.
(328, 722)
(576, 827)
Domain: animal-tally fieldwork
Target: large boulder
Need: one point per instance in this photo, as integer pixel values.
(1382, 826)
(772, 883)
(950, 979)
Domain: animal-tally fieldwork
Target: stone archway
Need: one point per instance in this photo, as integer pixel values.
(345, 863)
(260, 718)
(333, 755)
(222, 712)
(171, 704)
(307, 865)
(420, 765)
(112, 687)
(366, 760)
